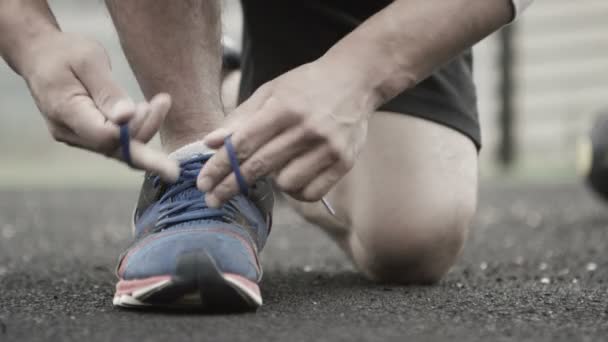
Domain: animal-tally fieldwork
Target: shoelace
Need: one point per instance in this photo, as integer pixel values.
(178, 206)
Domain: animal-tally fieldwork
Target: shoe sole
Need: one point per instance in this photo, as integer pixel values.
(197, 285)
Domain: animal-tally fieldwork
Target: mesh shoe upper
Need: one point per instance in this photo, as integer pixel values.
(171, 220)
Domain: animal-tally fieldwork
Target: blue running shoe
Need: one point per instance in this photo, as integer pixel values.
(186, 254)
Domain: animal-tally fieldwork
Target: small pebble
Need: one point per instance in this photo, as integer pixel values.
(543, 266)
(483, 266)
(534, 220)
(8, 231)
(591, 266)
(545, 280)
(307, 268)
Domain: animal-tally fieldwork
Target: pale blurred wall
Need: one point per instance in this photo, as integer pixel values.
(562, 80)
(563, 54)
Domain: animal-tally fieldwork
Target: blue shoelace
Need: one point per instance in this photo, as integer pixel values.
(182, 202)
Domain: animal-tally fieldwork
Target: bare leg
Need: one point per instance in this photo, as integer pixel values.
(174, 47)
(405, 208)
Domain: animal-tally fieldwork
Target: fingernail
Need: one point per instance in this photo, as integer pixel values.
(204, 184)
(123, 107)
(215, 134)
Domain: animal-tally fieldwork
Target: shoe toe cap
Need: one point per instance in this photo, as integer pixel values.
(159, 254)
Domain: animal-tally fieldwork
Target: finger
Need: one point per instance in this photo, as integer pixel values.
(141, 115)
(269, 158)
(62, 133)
(159, 108)
(257, 131)
(96, 76)
(92, 131)
(154, 161)
(216, 138)
(121, 112)
(321, 185)
(218, 167)
(298, 173)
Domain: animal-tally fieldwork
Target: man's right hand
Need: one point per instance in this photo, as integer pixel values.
(70, 79)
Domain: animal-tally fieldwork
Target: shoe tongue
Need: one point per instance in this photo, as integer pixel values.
(190, 151)
(196, 153)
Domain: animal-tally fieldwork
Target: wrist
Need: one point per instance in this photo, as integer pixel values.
(375, 71)
(24, 27)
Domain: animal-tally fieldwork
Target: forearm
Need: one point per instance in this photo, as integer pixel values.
(21, 23)
(402, 44)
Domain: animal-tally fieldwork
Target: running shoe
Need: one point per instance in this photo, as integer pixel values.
(185, 254)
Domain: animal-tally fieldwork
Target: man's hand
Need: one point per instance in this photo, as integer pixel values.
(306, 128)
(70, 79)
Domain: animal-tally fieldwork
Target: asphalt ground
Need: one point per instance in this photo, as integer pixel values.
(535, 269)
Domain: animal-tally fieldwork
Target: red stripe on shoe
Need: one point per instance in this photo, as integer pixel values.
(128, 286)
(243, 282)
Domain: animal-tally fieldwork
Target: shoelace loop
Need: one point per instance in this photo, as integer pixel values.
(190, 207)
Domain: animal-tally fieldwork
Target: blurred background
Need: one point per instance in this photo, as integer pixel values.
(540, 82)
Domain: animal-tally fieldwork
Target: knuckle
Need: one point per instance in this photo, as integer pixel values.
(56, 133)
(297, 195)
(330, 180)
(91, 49)
(255, 169)
(340, 154)
(59, 110)
(313, 131)
(334, 151)
(290, 113)
(347, 161)
(311, 195)
(53, 112)
(89, 55)
(243, 149)
(220, 166)
(103, 97)
(223, 190)
(286, 184)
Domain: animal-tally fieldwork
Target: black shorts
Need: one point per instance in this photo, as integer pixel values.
(280, 35)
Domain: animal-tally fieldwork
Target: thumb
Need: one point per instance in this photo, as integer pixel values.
(216, 138)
